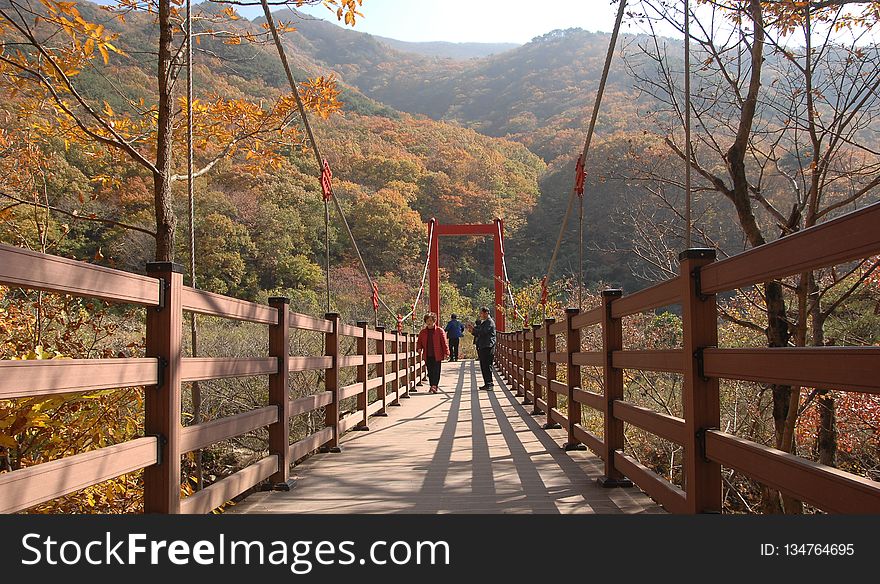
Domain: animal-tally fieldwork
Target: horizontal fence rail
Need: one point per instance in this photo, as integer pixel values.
(398, 369)
(528, 360)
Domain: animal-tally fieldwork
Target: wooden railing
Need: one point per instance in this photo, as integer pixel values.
(528, 359)
(164, 369)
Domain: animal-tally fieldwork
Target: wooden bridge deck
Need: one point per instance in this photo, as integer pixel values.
(461, 451)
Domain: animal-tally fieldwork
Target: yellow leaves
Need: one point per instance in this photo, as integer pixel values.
(229, 12)
(321, 95)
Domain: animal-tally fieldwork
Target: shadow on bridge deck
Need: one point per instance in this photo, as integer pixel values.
(461, 451)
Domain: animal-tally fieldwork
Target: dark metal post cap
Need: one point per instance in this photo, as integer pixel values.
(331, 315)
(572, 310)
(164, 267)
(279, 300)
(697, 253)
(612, 293)
(361, 323)
(535, 327)
(381, 328)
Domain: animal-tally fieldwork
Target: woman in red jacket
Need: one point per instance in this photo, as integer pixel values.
(434, 347)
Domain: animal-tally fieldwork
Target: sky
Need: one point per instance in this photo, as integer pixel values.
(488, 21)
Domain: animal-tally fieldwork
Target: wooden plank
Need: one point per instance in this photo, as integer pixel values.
(558, 417)
(225, 489)
(352, 390)
(375, 335)
(203, 302)
(56, 376)
(558, 387)
(308, 444)
(559, 356)
(671, 361)
(350, 421)
(350, 331)
(542, 404)
(541, 356)
(374, 359)
(827, 488)
(37, 271)
(541, 380)
(589, 318)
(351, 361)
(310, 363)
(841, 368)
(204, 368)
(670, 496)
(24, 488)
(310, 403)
(589, 398)
(558, 328)
(207, 433)
(587, 438)
(662, 294)
(663, 425)
(374, 407)
(305, 322)
(374, 383)
(853, 236)
(591, 358)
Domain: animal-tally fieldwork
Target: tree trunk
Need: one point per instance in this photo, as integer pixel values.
(166, 222)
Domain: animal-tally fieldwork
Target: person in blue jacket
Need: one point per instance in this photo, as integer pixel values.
(485, 337)
(454, 331)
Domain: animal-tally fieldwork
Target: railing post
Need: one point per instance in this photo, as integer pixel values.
(506, 357)
(417, 359)
(398, 393)
(331, 382)
(612, 340)
(279, 432)
(162, 402)
(517, 363)
(572, 377)
(382, 392)
(362, 376)
(405, 379)
(550, 372)
(527, 362)
(411, 362)
(536, 365)
(700, 395)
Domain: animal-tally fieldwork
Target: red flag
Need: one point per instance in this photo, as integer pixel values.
(326, 184)
(580, 176)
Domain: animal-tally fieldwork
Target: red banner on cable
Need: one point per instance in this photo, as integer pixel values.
(326, 181)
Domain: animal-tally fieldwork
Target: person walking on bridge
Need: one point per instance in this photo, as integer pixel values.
(484, 334)
(454, 330)
(433, 346)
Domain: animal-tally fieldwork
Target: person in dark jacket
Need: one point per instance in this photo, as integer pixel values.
(454, 330)
(484, 336)
(434, 348)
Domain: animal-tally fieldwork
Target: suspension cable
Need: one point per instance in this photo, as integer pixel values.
(507, 285)
(318, 158)
(586, 149)
(688, 147)
(325, 174)
(190, 189)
